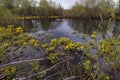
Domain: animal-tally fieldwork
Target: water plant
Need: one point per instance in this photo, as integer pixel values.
(11, 37)
(63, 55)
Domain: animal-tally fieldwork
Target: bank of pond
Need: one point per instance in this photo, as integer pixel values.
(25, 56)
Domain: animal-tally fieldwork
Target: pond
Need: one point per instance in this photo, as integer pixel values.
(47, 30)
(75, 29)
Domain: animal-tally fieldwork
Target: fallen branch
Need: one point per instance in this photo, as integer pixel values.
(72, 77)
(21, 78)
(51, 76)
(23, 61)
(2, 77)
(24, 78)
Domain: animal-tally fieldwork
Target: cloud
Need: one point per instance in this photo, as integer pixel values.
(65, 3)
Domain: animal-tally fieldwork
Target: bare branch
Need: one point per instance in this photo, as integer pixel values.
(72, 77)
(23, 61)
(2, 76)
(23, 78)
(51, 76)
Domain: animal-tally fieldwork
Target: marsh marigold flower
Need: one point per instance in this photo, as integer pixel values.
(19, 30)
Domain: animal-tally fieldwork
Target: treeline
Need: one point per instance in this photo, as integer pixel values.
(33, 7)
(81, 9)
(92, 9)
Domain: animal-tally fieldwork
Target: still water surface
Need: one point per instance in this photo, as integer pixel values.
(77, 30)
(82, 30)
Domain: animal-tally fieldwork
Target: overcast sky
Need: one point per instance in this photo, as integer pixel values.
(68, 3)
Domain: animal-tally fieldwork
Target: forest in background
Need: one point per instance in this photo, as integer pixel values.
(81, 9)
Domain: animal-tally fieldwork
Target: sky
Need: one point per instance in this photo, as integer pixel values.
(66, 4)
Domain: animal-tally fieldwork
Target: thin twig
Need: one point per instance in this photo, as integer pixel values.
(2, 77)
(23, 78)
(96, 73)
(51, 76)
(86, 77)
(72, 77)
(26, 61)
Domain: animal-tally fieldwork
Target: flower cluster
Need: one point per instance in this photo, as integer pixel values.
(73, 46)
(11, 37)
(64, 40)
(19, 30)
(63, 43)
(9, 72)
(53, 57)
(53, 41)
(93, 35)
(105, 47)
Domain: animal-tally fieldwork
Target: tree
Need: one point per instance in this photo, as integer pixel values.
(90, 3)
(6, 16)
(106, 7)
(24, 7)
(59, 10)
(44, 7)
(119, 3)
(8, 3)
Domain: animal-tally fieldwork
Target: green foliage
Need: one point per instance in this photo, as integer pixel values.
(88, 9)
(36, 66)
(14, 37)
(7, 3)
(49, 8)
(83, 62)
(53, 57)
(119, 4)
(9, 72)
(81, 9)
(5, 14)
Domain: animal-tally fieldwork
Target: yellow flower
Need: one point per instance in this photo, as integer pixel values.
(70, 46)
(66, 47)
(64, 40)
(105, 47)
(94, 35)
(19, 30)
(2, 29)
(52, 48)
(53, 41)
(13, 69)
(108, 78)
(6, 71)
(80, 47)
(44, 45)
(32, 41)
(24, 43)
(88, 62)
(5, 45)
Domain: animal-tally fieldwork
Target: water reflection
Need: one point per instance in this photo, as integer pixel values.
(42, 25)
(65, 27)
(116, 30)
(85, 26)
(31, 25)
